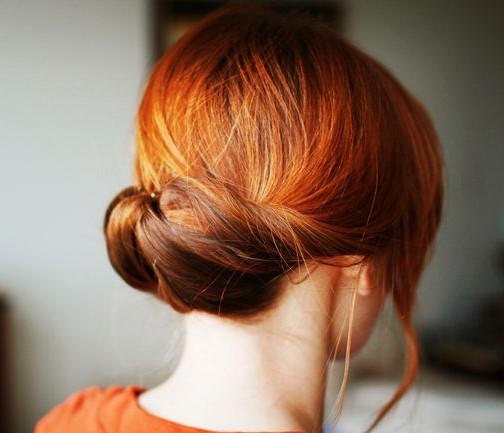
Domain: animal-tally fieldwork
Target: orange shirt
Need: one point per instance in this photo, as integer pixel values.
(114, 409)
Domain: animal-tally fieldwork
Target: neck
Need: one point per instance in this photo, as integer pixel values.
(269, 376)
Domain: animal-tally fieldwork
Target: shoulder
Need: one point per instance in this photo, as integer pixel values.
(83, 411)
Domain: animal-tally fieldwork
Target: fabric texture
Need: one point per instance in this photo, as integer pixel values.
(114, 409)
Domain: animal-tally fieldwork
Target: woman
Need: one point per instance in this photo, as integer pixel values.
(285, 185)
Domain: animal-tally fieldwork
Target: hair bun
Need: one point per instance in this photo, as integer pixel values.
(123, 214)
(201, 245)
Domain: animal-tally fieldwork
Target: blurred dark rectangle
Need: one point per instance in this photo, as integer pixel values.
(170, 19)
(5, 395)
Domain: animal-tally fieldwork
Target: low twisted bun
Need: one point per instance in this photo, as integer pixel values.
(202, 245)
(122, 217)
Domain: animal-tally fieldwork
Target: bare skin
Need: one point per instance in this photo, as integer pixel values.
(269, 376)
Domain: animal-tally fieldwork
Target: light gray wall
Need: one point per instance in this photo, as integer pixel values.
(449, 53)
(70, 79)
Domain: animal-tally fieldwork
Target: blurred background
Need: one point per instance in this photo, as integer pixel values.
(71, 76)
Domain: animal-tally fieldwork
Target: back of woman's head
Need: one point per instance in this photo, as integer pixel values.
(265, 141)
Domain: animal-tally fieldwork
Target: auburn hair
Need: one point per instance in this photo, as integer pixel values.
(265, 140)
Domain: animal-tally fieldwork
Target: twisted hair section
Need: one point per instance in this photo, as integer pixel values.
(273, 142)
(238, 247)
(123, 214)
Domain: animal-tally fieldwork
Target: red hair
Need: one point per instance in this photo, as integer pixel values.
(267, 140)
